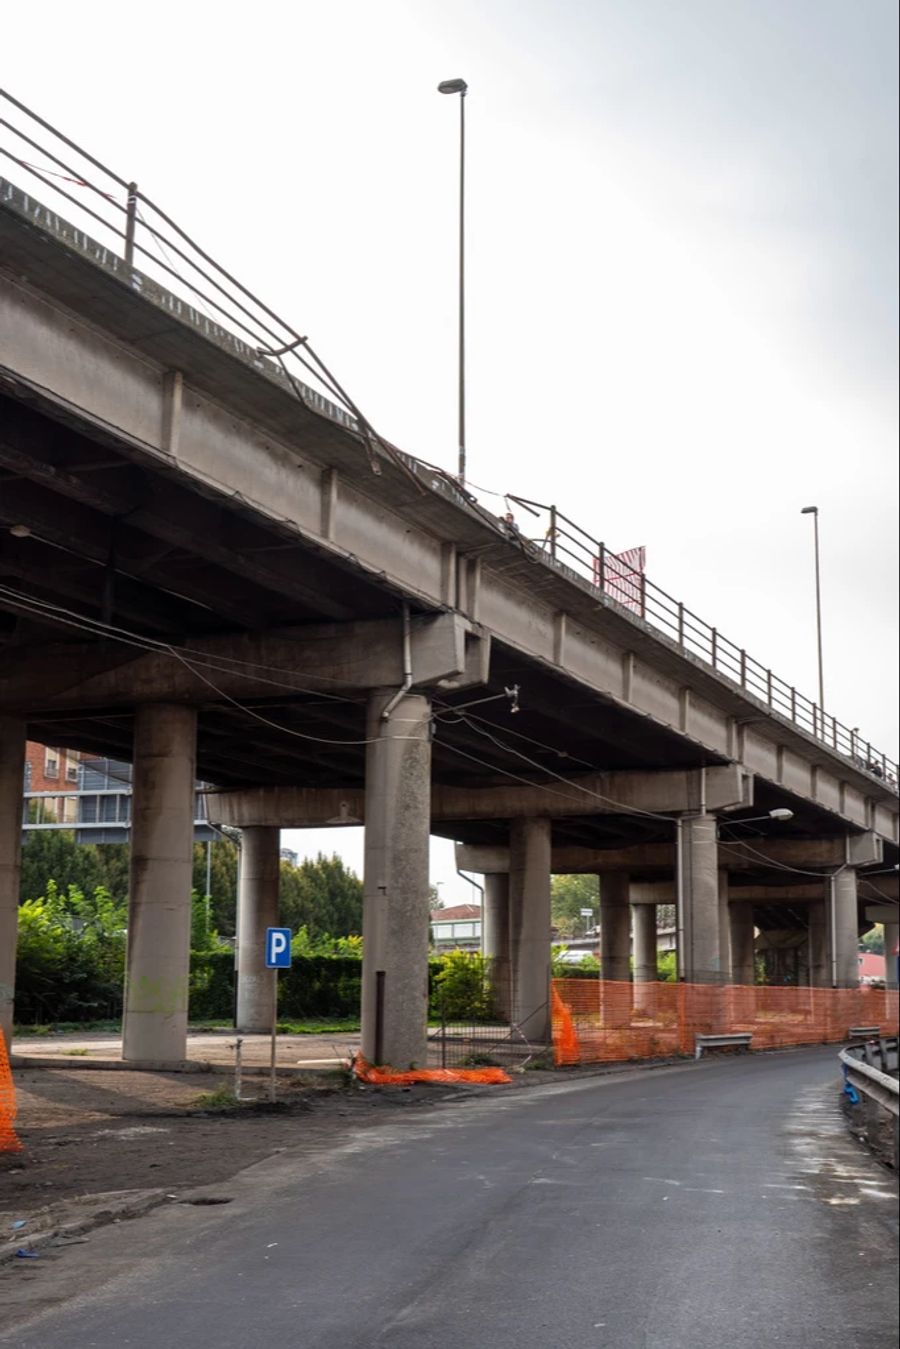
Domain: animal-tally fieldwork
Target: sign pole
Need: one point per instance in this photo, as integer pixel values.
(278, 957)
(274, 1034)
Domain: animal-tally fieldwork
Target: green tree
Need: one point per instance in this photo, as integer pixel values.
(568, 896)
(223, 869)
(874, 940)
(323, 896)
(71, 955)
(53, 854)
(462, 987)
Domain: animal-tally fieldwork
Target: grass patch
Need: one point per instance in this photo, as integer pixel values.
(287, 1026)
(75, 1053)
(67, 1028)
(313, 1026)
(219, 1102)
(307, 1026)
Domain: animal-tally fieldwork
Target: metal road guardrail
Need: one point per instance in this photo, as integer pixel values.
(876, 1083)
(876, 1086)
(131, 226)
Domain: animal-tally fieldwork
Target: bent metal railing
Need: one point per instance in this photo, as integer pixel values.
(123, 220)
(877, 1086)
(564, 542)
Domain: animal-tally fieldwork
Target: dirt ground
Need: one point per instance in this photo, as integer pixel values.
(94, 1131)
(97, 1130)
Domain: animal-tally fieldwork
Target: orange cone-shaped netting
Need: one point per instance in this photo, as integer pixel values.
(8, 1140)
(597, 1021)
(367, 1072)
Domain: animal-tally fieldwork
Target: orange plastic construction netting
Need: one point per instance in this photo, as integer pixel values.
(383, 1076)
(595, 1021)
(8, 1140)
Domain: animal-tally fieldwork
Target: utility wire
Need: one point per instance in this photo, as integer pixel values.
(575, 786)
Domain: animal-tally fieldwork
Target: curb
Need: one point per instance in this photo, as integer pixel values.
(81, 1062)
(64, 1225)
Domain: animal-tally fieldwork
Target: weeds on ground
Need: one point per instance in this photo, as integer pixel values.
(219, 1101)
(66, 1028)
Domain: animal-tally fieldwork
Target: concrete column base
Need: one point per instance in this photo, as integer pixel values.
(646, 975)
(529, 922)
(725, 956)
(845, 936)
(819, 960)
(258, 910)
(495, 944)
(743, 950)
(159, 907)
(395, 881)
(12, 774)
(700, 961)
(615, 948)
(891, 933)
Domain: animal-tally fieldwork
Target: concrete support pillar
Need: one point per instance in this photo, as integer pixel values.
(257, 910)
(819, 962)
(743, 950)
(395, 880)
(725, 956)
(891, 933)
(845, 928)
(700, 959)
(644, 926)
(615, 927)
(159, 904)
(643, 923)
(529, 925)
(495, 944)
(12, 772)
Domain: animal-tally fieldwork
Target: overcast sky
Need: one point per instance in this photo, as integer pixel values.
(682, 263)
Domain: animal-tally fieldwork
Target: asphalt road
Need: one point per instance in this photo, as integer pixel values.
(718, 1204)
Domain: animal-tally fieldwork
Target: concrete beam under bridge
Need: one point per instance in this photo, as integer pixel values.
(590, 794)
(863, 849)
(447, 651)
(663, 892)
(882, 913)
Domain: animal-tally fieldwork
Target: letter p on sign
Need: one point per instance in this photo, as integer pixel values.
(278, 948)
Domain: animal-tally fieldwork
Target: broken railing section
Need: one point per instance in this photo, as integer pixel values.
(622, 579)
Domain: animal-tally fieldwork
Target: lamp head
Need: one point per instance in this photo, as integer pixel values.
(452, 87)
(781, 813)
(810, 510)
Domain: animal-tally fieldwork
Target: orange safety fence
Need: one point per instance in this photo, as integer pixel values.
(595, 1021)
(384, 1076)
(8, 1140)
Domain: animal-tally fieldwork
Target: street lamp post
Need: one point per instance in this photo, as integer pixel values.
(814, 512)
(460, 87)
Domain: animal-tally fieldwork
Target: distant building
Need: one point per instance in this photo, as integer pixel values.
(288, 855)
(576, 948)
(457, 928)
(49, 772)
(68, 790)
(871, 968)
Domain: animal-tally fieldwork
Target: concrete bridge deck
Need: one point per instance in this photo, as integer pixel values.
(210, 569)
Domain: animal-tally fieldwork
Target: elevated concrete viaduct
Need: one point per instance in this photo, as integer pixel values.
(206, 566)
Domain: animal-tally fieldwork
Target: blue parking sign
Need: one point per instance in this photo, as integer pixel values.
(278, 948)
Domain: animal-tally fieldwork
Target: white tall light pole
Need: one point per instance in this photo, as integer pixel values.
(460, 87)
(814, 512)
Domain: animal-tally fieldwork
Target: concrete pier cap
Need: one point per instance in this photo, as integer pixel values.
(616, 793)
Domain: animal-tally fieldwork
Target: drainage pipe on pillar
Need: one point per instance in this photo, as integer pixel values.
(407, 667)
